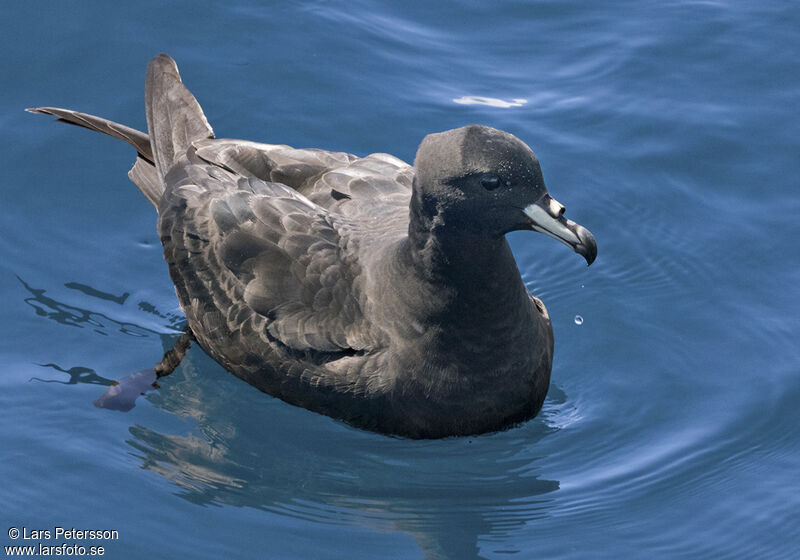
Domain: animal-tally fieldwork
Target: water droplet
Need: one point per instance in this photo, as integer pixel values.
(578, 320)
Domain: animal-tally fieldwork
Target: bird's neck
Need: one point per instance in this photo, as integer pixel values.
(473, 268)
(464, 303)
(474, 274)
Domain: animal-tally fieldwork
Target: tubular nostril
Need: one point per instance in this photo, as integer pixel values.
(556, 208)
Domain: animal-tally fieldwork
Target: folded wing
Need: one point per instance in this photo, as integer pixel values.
(241, 249)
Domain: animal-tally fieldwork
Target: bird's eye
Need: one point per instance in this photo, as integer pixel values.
(490, 182)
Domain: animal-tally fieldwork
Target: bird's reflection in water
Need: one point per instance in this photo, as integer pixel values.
(249, 449)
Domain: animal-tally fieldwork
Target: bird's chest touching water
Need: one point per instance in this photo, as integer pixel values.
(489, 345)
(465, 380)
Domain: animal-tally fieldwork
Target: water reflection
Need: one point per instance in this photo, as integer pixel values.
(247, 449)
(94, 292)
(66, 314)
(77, 374)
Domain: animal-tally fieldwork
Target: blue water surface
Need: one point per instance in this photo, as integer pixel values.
(670, 129)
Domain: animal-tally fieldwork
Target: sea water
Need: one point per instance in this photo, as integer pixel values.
(669, 129)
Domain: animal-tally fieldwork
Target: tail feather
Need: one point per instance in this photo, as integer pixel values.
(144, 175)
(135, 138)
(174, 117)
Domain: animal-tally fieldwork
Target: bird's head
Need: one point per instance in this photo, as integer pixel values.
(485, 181)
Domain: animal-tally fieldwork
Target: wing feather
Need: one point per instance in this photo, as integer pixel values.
(239, 246)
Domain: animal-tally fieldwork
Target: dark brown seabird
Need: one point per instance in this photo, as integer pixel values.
(372, 291)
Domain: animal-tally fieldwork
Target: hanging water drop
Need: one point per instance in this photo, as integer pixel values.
(578, 320)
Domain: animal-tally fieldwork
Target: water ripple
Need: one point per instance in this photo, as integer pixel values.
(101, 323)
